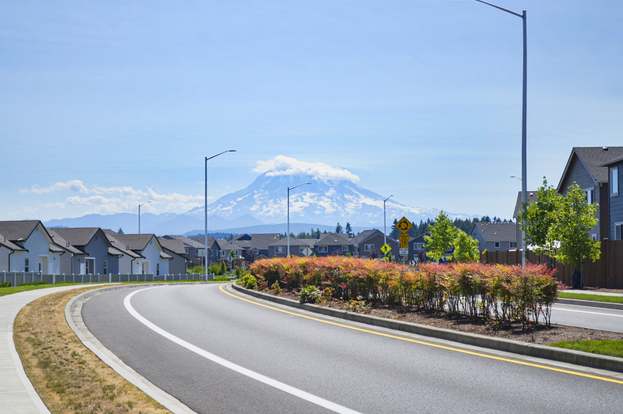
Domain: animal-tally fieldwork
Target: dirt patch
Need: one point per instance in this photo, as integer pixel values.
(542, 335)
(69, 377)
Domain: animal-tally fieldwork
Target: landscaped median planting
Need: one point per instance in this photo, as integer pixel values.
(503, 295)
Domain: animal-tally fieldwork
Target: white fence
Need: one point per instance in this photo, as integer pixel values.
(25, 278)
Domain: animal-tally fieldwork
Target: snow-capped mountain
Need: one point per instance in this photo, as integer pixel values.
(333, 195)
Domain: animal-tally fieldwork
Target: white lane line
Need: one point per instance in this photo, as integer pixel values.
(589, 312)
(336, 408)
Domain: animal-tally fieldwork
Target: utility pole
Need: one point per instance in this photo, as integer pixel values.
(139, 219)
(524, 125)
(385, 219)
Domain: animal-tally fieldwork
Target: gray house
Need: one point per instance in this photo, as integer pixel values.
(153, 259)
(7, 249)
(333, 244)
(176, 249)
(496, 236)
(532, 197)
(368, 244)
(92, 241)
(73, 260)
(588, 167)
(28, 247)
(615, 177)
(193, 249)
(298, 247)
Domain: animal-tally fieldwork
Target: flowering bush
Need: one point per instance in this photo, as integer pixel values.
(503, 294)
(310, 294)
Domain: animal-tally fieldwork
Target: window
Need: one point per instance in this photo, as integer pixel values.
(369, 247)
(322, 249)
(614, 181)
(105, 266)
(618, 231)
(345, 249)
(279, 249)
(589, 195)
(513, 245)
(26, 264)
(157, 269)
(496, 245)
(90, 265)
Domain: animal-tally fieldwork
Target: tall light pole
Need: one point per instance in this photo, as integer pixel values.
(205, 209)
(385, 219)
(139, 219)
(288, 213)
(524, 120)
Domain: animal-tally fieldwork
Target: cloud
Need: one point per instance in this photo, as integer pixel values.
(116, 199)
(284, 165)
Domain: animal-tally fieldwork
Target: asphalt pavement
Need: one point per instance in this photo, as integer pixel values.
(220, 354)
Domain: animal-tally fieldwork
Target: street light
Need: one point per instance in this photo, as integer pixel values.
(205, 209)
(139, 219)
(288, 226)
(385, 219)
(524, 115)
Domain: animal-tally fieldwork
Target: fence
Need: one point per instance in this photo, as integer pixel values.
(22, 278)
(607, 272)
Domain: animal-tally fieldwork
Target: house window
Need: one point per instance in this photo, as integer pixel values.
(369, 247)
(618, 231)
(322, 249)
(589, 195)
(496, 245)
(280, 249)
(345, 249)
(157, 269)
(26, 264)
(614, 181)
(513, 245)
(90, 266)
(105, 266)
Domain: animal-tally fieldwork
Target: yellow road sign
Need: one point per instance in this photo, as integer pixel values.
(404, 225)
(386, 248)
(404, 240)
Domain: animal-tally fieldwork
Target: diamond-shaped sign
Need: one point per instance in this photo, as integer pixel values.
(386, 248)
(404, 225)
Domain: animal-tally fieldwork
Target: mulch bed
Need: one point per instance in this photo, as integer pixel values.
(540, 335)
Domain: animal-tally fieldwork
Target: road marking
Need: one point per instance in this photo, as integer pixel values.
(336, 408)
(589, 312)
(429, 344)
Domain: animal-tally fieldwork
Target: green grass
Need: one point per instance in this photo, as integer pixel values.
(611, 347)
(591, 296)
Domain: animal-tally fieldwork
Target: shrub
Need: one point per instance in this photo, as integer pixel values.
(275, 287)
(503, 294)
(5, 284)
(310, 294)
(248, 281)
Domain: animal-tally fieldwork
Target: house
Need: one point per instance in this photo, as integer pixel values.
(333, 244)
(230, 250)
(417, 251)
(176, 249)
(615, 199)
(255, 245)
(368, 244)
(7, 250)
(532, 197)
(28, 247)
(298, 247)
(193, 248)
(100, 256)
(73, 260)
(495, 236)
(588, 167)
(153, 259)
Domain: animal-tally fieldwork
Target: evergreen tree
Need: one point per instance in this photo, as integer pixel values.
(120, 231)
(338, 228)
(349, 230)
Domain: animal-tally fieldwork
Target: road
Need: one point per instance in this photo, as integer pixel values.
(588, 317)
(221, 354)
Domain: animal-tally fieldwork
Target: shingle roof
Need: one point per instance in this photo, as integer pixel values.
(594, 160)
(78, 236)
(133, 241)
(118, 247)
(497, 231)
(187, 241)
(364, 235)
(59, 240)
(334, 239)
(16, 230)
(9, 244)
(259, 241)
(295, 242)
(173, 245)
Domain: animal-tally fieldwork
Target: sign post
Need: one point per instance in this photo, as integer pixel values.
(404, 225)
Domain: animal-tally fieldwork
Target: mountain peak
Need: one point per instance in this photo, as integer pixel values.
(282, 165)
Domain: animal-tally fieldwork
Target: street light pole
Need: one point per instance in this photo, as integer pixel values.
(288, 220)
(139, 219)
(205, 209)
(524, 124)
(385, 219)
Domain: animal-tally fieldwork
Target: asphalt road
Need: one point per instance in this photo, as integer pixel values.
(588, 317)
(219, 354)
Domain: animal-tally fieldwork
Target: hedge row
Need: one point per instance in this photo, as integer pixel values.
(504, 294)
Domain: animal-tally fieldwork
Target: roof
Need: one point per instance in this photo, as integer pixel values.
(173, 245)
(613, 161)
(10, 245)
(334, 239)
(228, 245)
(117, 247)
(518, 202)
(188, 241)
(497, 231)
(78, 236)
(295, 242)
(594, 159)
(18, 230)
(364, 235)
(66, 245)
(259, 241)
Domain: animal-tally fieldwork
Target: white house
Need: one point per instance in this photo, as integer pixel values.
(153, 259)
(28, 247)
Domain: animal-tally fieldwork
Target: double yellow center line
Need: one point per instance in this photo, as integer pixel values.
(427, 343)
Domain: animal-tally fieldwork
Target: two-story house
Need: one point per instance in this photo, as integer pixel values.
(588, 168)
(495, 236)
(176, 249)
(615, 199)
(29, 247)
(298, 247)
(333, 244)
(368, 244)
(153, 259)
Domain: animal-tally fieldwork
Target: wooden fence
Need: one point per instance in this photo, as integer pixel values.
(607, 272)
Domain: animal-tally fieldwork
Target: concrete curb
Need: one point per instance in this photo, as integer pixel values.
(591, 303)
(73, 315)
(532, 350)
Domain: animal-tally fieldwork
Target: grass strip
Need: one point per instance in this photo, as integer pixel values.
(591, 296)
(610, 347)
(24, 288)
(69, 377)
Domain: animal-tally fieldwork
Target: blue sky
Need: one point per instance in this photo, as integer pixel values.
(418, 98)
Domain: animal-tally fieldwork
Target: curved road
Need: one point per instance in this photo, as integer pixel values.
(220, 352)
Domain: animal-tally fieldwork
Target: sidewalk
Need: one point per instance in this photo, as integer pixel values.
(592, 292)
(16, 391)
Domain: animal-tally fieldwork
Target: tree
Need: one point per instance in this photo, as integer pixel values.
(120, 231)
(349, 230)
(441, 235)
(569, 235)
(465, 248)
(541, 216)
(339, 229)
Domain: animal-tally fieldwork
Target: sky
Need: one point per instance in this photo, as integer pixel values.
(104, 104)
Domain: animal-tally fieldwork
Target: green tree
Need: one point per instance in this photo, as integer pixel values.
(569, 236)
(541, 216)
(441, 235)
(338, 228)
(349, 230)
(465, 248)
